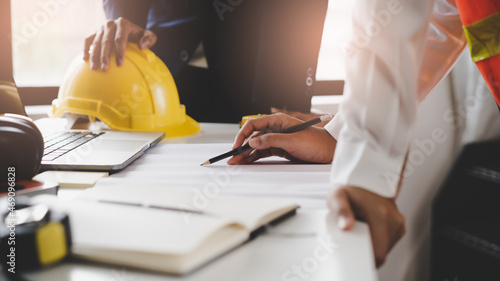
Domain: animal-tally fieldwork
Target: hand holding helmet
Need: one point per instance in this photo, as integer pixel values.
(140, 95)
(113, 36)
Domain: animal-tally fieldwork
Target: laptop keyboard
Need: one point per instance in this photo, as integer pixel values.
(58, 144)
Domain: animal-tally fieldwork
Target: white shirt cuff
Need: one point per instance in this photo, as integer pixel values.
(364, 167)
(334, 126)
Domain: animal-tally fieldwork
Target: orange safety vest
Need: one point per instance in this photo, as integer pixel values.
(481, 23)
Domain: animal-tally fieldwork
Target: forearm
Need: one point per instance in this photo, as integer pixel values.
(134, 10)
(380, 108)
(444, 44)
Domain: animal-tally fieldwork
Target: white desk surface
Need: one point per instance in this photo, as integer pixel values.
(274, 255)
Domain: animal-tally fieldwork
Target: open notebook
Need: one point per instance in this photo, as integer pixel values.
(163, 229)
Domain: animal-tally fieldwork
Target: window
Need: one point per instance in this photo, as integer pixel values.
(48, 35)
(336, 34)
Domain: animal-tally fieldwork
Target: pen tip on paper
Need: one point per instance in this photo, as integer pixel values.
(205, 163)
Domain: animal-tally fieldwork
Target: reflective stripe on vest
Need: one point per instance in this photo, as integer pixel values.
(481, 23)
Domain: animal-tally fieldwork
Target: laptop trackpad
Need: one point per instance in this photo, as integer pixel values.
(120, 146)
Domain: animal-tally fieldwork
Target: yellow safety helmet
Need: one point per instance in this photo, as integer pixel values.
(140, 95)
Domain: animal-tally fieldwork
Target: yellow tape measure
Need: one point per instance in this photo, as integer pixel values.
(31, 236)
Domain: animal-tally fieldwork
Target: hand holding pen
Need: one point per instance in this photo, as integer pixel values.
(305, 143)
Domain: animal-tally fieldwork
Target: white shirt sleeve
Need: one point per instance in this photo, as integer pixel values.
(381, 98)
(334, 126)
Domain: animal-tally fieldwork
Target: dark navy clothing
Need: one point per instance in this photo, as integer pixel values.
(260, 53)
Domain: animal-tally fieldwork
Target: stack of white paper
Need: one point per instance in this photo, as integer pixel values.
(178, 165)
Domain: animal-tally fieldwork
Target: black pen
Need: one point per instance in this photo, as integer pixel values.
(290, 130)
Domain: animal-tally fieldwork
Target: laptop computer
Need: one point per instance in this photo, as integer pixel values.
(85, 150)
